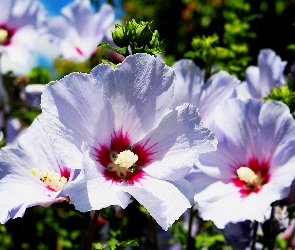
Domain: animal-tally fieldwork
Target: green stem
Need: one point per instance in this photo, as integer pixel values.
(255, 227)
(91, 230)
(189, 241)
(208, 70)
(132, 47)
(127, 52)
(289, 241)
(154, 232)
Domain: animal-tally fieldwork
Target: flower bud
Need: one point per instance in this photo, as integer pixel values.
(155, 42)
(143, 33)
(130, 30)
(119, 36)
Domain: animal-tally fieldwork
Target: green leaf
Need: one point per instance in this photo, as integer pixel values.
(192, 54)
(153, 51)
(129, 243)
(121, 51)
(97, 246)
(206, 240)
(291, 47)
(113, 245)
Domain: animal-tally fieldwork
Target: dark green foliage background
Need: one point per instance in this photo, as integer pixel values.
(244, 28)
(258, 24)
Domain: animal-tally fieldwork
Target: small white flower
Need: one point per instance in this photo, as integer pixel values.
(80, 29)
(21, 22)
(30, 174)
(190, 87)
(253, 165)
(262, 78)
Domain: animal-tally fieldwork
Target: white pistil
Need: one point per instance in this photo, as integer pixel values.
(126, 159)
(54, 180)
(247, 175)
(3, 36)
(123, 161)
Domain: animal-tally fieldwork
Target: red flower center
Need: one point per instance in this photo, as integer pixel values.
(5, 35)
(251, 176)
(116, 168)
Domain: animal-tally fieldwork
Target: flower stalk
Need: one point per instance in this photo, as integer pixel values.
(189, 239)
(255, 228)
(91, 230)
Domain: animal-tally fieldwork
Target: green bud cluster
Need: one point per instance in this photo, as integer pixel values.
(208, 50)
(283, 94)
(135, 38)
(139, 33)
(119, 36)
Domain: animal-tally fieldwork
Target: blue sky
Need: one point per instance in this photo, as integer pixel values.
(53, 6)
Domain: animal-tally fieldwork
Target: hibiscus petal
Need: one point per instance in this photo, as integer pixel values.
(251, 134)
(59, 28)
(6, 6)
(175, 150)
(36, 142)
(271, 70)
(103, 22)
(81, 9)
(235, 126)
(163, 200)
(140, 92)
(190, 79)
(25, 20)
(219, 88)
(83, 29)
(233, 207)
(262, 78)
(71, 110)
(92, 191)
(16, 179)
(276, 133)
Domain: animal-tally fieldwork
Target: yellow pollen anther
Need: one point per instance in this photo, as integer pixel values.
(3, 36)
(54, 180)
(126, 159)
(247, 175)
